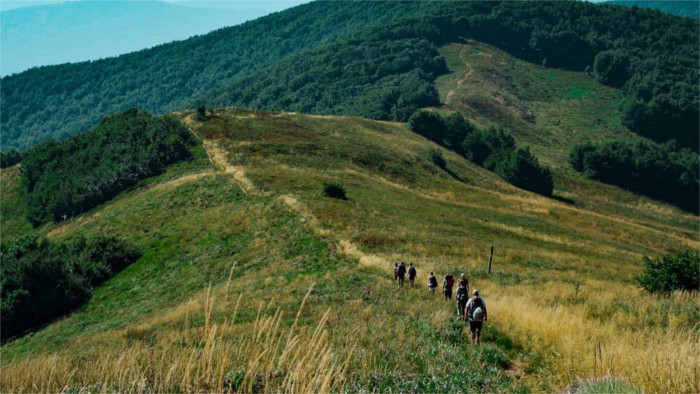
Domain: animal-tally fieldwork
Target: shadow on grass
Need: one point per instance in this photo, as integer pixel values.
(565, 200)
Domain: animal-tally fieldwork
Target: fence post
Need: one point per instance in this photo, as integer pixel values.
(490, 259)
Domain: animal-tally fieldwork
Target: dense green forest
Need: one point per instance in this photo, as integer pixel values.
(657, 170)
(286, 61)
(43, 280)
(492, 149)
(63, 179)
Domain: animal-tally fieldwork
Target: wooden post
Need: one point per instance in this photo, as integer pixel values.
(490, 259)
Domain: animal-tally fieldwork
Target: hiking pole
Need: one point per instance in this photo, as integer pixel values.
(490, 259)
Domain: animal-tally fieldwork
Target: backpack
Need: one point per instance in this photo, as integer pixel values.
(433, 281)
(411, 271)
(478, 311)
(462, 294)
(396, 270)
(450, 280)
(402, 270)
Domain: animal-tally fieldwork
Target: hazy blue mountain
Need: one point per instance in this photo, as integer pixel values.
(89, 30)
(689, 9)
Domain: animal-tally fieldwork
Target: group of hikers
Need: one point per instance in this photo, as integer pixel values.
(472, 309)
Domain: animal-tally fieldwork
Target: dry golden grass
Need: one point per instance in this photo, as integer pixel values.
(213, 357)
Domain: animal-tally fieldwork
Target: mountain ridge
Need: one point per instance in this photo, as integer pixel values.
(659, 105)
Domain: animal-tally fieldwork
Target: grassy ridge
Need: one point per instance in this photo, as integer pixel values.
(262, 210)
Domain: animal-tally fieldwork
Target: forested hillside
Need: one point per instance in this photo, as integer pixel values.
(652, 56)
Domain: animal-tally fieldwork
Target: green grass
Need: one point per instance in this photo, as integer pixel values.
(569, 263)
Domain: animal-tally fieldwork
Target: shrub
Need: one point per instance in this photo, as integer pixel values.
(523, 170)
(333, 190)
(675, 270)
(437, 158)
(42, 280)
(428, 124)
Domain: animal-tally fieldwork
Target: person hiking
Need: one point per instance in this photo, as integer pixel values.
(463, 281)
(462, 299)
(432, 283)
(476, 312)
(396, 272)
(447, 285)
(402, 273)
(412, 274)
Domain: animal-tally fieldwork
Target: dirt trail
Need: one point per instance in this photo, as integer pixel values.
(219, 158)
(348, 248)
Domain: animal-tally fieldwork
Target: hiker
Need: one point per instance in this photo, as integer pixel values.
(476, 312)
(447, 285)
(402, 273)
(463, 281)
(412, 274)
(396, 272)
(432, 283)
(462, 299)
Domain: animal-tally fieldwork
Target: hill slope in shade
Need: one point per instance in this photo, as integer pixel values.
(77, 31)
(249, 208)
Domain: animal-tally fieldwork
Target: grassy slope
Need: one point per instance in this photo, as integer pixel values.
(569, 266)
(551, 111)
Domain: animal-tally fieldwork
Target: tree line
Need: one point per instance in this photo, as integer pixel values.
(492, 149)
(43, 280)
(659, 171)
(63, 179)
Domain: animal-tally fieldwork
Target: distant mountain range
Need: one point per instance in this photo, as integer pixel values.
(689, 9)
(76, 31)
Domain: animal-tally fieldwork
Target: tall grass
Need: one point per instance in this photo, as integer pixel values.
(211, 357)
(577, 343)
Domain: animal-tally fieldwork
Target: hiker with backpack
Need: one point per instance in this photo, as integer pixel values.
(411, 274)
(432, 283)
(462, 299)
(402, 273)
(447, 285)
(463, 281)
(396, 272)
(476, 312)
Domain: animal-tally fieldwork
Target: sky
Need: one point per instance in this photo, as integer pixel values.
(276, 5)
(44, 32)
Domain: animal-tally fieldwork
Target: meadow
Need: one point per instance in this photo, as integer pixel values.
(252, 280)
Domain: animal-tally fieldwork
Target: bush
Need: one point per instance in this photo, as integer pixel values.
(437, 158)
(675, 270)
(428, 124)
(333, 190)
(522, 169)
(42, 280)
